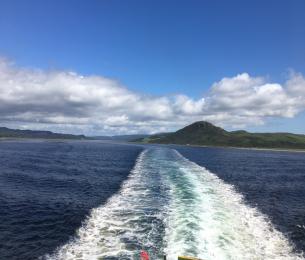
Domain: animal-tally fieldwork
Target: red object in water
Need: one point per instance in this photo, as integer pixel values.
(144, 255)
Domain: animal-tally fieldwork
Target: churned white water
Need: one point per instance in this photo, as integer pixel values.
(170, 205)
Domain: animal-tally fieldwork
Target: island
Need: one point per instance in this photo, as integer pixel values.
(206, 134)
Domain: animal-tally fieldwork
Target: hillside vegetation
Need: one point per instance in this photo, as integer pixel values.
(205, 133)
(15, 133)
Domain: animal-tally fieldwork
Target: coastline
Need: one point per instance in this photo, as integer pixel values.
(38, 139)
(235, 147)
(263, 149)
(187, 145)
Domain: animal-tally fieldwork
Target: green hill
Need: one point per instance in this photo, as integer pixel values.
(16, 133)
(205, 133)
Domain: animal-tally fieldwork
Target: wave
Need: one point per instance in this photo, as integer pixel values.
(170, 205)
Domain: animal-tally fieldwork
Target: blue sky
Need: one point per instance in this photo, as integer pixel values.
(160, 48)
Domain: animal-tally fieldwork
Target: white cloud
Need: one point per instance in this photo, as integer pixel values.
(69, 102)
(252, 100)
(185, 105)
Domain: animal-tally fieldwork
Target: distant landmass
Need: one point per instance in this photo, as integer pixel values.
(198, 133)
(126, 138)
(16, 133)
(205, 133)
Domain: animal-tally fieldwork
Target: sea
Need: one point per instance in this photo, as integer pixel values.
(73, 200)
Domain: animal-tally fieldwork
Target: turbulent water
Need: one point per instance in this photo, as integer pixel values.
(170, 205)
(92, 200)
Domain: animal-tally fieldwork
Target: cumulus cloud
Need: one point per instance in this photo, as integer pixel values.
(244, 100)
(69, 102)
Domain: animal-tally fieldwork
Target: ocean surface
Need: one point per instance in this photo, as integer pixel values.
(95, 200)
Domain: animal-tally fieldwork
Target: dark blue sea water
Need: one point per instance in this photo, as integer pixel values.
(48, 188)
(85, 200)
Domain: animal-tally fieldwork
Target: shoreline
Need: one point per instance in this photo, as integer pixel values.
(259, 149)
(38, 139)
(186, 145)
(234, 147)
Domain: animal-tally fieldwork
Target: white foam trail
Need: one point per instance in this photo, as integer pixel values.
(170, 204)
(210, 220)
(127, 223)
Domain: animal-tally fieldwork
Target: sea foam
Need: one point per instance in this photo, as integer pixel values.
(170, 205)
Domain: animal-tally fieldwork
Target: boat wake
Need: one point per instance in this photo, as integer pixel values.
(170, 205)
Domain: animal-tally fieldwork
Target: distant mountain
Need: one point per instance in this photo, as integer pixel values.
(126, 138)
(15, 133)
(205, 133)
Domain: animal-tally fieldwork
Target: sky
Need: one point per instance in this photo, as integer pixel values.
(111, 67)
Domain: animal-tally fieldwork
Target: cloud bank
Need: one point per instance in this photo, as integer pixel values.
(69, 102)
